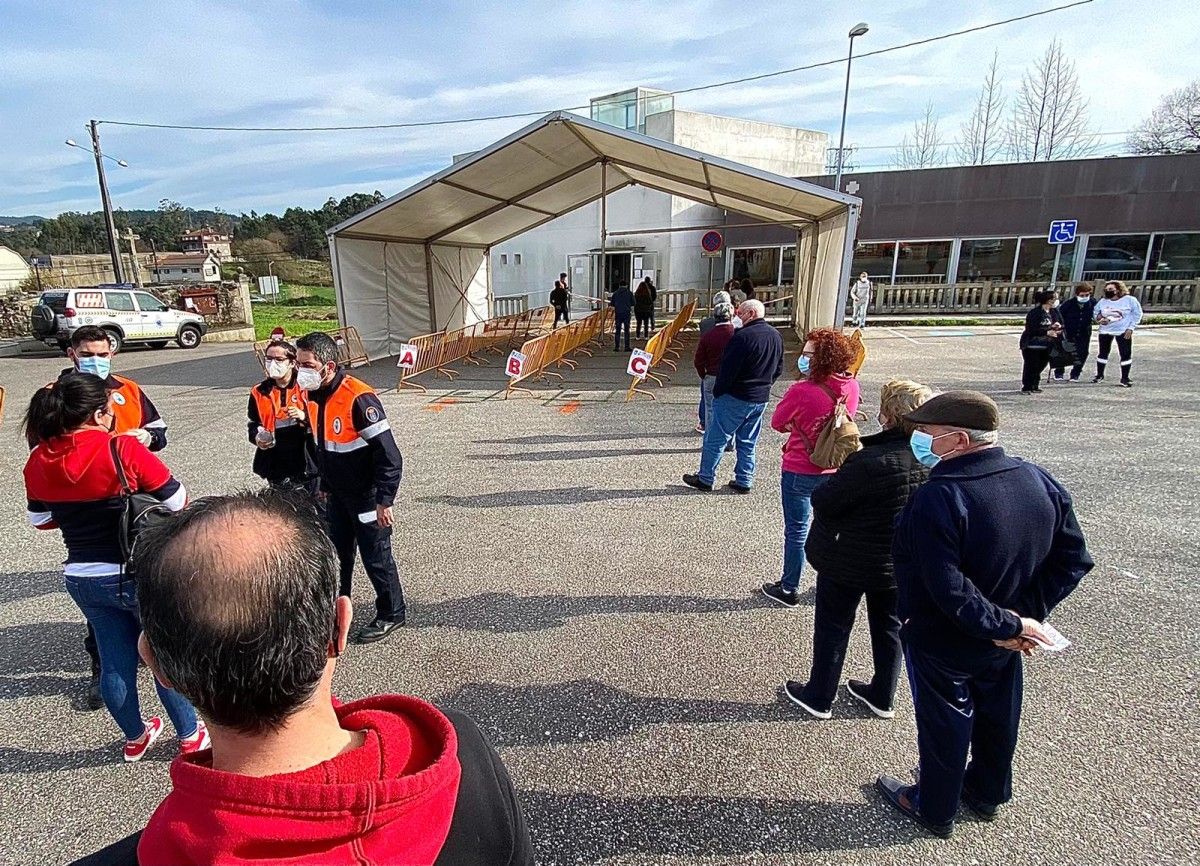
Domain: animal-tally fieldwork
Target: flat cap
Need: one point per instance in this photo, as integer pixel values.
(968, 409)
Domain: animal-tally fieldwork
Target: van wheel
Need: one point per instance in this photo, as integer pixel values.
(115, 338)
(189, 337)
(157, 344)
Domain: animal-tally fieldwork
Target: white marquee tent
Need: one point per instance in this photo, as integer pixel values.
(418, 262)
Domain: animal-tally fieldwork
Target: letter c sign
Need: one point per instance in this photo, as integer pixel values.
(639, 363)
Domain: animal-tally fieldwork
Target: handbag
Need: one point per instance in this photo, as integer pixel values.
(838, 437)
(138, 510)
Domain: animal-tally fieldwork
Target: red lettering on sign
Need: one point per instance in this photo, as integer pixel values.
(638, 365)
(408, 359)
(514, 366)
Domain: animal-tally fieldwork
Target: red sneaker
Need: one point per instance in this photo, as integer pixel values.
(196, 742)
(135, 750)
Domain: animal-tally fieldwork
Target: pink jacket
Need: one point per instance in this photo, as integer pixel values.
(806, 407)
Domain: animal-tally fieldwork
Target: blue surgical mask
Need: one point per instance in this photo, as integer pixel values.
(1083, 299)
(921, 444)
(803, 363)
(95, 365)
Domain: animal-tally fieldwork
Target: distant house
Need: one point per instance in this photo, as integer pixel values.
(207, 240)
(13, 270)
(187, 268)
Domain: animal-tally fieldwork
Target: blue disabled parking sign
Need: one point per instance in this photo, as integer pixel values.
(1062, 231)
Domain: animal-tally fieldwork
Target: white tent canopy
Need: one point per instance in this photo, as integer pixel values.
(418, 262)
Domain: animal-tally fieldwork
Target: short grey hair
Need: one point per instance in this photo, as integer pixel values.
(977, 437)
(757, 306)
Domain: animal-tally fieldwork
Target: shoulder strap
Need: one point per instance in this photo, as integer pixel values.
(126, 490)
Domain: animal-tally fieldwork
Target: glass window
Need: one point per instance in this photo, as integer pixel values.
(118, 301)
(787, 275)
(149, 303)
(759, 264)
(1035, 260)
(1175, 257)
(922, 261)
(516, 258)
(1115, 257)
(875, 259)
(988, 259)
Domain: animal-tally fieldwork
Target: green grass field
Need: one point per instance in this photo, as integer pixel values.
(302, 308)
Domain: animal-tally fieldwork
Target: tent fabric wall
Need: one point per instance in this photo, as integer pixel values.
(821, 257)
(380, 291)
(459, 285)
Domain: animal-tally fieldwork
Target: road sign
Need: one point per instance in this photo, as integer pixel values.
(639, 363)
(705, 254)
(1062, 231)
(40, 261)
(712, 242)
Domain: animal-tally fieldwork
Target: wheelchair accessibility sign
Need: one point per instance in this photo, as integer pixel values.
(1062, 231)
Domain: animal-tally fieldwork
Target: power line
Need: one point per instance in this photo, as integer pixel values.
(524, 114)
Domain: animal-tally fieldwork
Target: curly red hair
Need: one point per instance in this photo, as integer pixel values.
(832, 354)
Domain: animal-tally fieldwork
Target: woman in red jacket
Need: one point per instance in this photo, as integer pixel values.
(71, 484)
(801, 413)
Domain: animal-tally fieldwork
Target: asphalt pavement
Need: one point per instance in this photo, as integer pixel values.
(600, 619)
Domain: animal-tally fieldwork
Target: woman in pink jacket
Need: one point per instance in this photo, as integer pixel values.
(802, 413)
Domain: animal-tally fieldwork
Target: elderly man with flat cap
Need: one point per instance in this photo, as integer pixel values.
(984, 551)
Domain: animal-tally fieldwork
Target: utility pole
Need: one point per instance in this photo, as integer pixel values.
(109, 223)
(137, 271)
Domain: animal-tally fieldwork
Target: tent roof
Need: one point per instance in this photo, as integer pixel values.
(553, 166)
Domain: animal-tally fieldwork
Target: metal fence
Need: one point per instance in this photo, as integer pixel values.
(1159, 296)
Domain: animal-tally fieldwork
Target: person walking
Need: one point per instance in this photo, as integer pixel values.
(803, 411)
(709, 352)
(622, 302)
(860, 294)
(752, 361)
(1041, 328)
(560, 299)
(1119, 314)
(277, 421)
(1077, 319)
(75, 481)
(643, 309)
(983, 551)
(136, 415)
(359, 467)
(850, 546)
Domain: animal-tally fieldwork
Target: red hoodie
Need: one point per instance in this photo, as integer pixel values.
(389, 801)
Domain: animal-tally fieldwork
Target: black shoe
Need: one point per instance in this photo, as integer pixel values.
(1037, 390)
(94, 700)
(694, 481)
(737, 488)
(1125, 383)
(1026, 390)
(779, 595)
(376, 630)
(1097, 379)
(794, 692)
(861, 691)
(897, 794)
(984, 811)
(728, 449)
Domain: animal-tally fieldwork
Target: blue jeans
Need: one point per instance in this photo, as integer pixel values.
(110, 606)
(797, 509)
(706, 400)
(701, 414)
(731, 418)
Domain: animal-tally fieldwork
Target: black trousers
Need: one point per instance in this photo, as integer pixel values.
(563, 313)
(618, 326)
(833, 620)
(971, 703)
(1124, 348)
(643, 325)
(374, 543)
(1082, 343)
(1031, 371)
(89, 644)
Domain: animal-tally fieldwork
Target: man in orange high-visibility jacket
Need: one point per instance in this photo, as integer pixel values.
(359, 467)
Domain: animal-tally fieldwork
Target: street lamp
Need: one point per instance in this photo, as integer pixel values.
(109, 223)
(858, 29)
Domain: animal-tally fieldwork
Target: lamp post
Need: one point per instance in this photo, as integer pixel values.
(859, 29)
(109, 223)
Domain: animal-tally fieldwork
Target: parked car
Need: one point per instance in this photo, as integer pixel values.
(127, 314)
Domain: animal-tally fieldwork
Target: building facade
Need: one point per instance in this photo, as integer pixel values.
(648, 228)
(187, 268)
(207, 240)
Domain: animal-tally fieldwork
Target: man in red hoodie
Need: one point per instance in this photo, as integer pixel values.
(241, 613)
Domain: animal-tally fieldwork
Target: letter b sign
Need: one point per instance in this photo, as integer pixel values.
(515, 366)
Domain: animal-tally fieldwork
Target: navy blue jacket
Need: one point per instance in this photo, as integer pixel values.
(753, 360)
(1077, 319)
(986, 535)
(622, 302)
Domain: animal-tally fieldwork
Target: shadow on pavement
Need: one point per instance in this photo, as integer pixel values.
(41, 647)
(559, 439)
(585, 710)
(582, 454)
(588, 828)
(503, 612)
(557, 496)
(236, 370)
(29, 584)
(14, 761)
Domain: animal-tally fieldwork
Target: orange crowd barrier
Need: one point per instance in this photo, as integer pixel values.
(351, 352)
(662, 352)
(427, 354)
(555, 348)
(860, 352)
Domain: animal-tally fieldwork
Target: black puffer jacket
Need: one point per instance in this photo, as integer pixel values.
(854, 512)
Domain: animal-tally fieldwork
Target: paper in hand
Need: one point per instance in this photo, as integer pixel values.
(1057, 642)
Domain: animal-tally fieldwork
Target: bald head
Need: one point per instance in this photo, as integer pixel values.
(751, 310)
(237, 597)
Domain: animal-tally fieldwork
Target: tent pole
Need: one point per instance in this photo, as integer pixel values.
(429, 288)
(487, 263)
(603, 232)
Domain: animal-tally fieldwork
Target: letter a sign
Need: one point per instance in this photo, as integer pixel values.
(408, 356)
(639, 363)
(515, 365)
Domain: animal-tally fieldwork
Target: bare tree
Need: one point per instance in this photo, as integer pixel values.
(1173, 127)
(1050, 114)
(924, 148)
(982, 136)
(849, 157)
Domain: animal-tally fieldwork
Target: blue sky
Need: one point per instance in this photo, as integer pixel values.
(294, 63)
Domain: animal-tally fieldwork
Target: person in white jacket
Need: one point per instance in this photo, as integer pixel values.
(860, 293)
(1118, 314)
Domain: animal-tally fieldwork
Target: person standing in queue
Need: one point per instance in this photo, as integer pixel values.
(560, 299)
(643, 309)
(136, 416)
(1042, 326)
(622, 302)
(976, 578)
(359, 468)
(1119, 314)
(278, 421)
(1077, 318)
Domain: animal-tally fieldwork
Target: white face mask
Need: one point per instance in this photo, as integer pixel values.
(278, 369)
(308, 380)
(737, 322)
